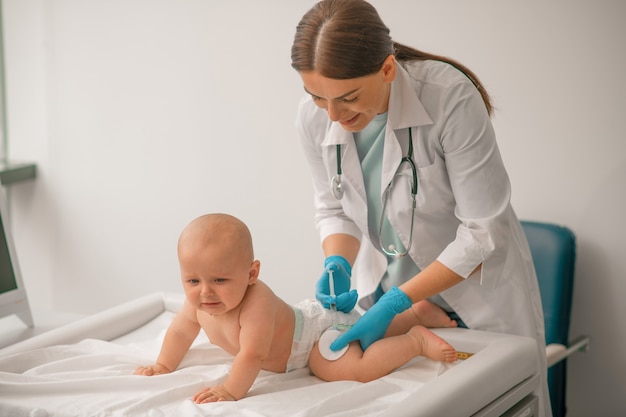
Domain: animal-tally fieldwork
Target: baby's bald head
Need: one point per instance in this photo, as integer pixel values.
(217, 229)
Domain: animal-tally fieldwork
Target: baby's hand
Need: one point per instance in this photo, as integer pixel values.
(156, 369)
(213, 394)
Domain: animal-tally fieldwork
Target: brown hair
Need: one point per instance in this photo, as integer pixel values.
(345, 39)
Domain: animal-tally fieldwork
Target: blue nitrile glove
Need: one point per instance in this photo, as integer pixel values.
(374, 323)
(344, 298)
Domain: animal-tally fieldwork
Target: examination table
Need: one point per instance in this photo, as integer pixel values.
(86, 368)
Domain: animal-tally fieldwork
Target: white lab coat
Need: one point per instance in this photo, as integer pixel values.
(463, 217)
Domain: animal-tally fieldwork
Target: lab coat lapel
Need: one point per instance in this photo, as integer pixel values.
(405, 111)
(336, 135)
(405, 107)
(392, 154)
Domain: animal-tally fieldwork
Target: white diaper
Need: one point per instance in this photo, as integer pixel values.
(311, 321)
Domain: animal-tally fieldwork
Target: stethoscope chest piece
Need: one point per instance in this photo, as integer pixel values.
(336, 186)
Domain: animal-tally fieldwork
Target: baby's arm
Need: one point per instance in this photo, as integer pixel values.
(257, 321)
(178, 338)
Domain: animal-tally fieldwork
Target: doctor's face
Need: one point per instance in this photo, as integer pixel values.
(353, 102)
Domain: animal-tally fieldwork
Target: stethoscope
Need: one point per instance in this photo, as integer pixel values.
(336, 187)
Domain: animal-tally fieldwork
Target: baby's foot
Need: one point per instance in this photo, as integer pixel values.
(431, 315)
(432, 346)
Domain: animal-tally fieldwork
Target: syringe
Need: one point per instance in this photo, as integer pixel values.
(329, 335)
(333, 303)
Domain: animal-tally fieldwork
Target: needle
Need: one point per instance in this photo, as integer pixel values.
(333, 304)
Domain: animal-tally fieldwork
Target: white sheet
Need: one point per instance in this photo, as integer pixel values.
(85, 369)
(94, 378)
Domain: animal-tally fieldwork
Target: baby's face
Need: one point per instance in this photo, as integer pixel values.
(214, 278)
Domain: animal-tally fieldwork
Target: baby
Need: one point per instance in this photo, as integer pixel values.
(241, 314)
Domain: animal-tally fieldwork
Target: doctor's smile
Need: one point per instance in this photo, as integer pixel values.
(351, 121)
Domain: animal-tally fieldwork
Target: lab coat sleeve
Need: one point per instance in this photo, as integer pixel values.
(312, 124)
(480, 186)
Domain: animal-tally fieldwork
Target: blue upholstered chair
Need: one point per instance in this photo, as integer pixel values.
(553, 250)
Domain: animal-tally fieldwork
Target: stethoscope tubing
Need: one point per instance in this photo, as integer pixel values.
(336, 186)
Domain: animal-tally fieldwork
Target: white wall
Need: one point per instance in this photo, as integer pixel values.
(143, 114)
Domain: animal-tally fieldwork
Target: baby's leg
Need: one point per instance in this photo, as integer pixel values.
(382, 357)
(422, 313)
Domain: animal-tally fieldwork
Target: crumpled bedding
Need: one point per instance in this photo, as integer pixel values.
(95, 378)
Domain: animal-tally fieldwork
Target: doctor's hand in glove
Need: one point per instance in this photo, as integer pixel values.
(341, 272)
(374, 323)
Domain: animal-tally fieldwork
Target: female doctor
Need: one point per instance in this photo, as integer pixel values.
(411, 193)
